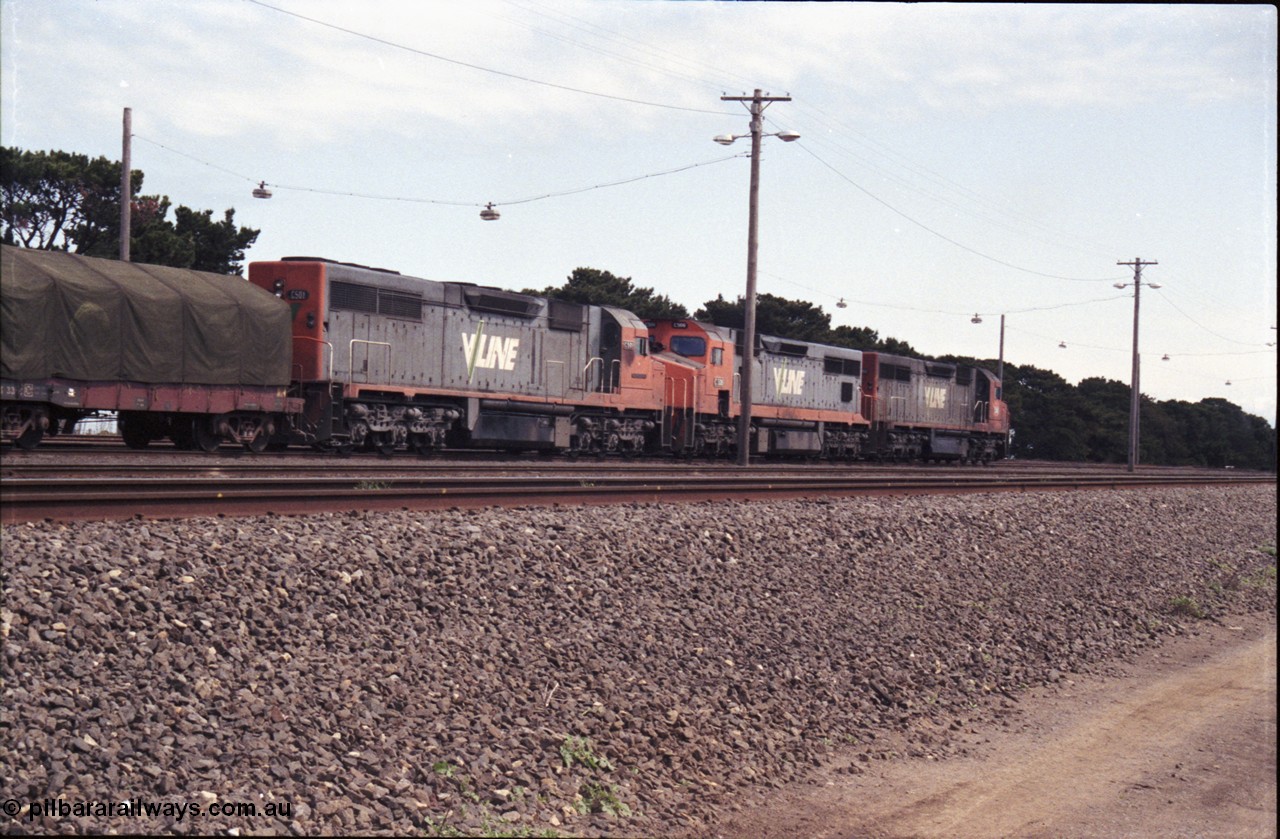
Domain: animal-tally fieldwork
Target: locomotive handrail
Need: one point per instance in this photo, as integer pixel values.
(328, 344)
(607, 384)
(351, 357)
(980, 411)
(615, 384)
(586, 384)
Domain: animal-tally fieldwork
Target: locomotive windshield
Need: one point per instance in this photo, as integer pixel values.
(689, 346)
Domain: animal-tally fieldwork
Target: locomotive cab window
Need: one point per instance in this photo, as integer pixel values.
(717, 356)
(689, 346)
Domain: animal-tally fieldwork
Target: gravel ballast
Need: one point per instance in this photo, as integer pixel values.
(630, 669)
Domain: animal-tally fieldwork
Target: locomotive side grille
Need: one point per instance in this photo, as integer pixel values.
(836, 366)
(374, 301)
(352, 297)
(895, 372)
(397, 304)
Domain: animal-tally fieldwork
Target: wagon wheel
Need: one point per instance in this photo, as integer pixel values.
(203, 435)
(134, 433)
(30, 438)
(260, 442)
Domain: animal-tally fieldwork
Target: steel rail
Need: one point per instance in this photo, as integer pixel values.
(194, 494)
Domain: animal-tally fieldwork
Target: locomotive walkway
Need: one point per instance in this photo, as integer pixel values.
(61, 491)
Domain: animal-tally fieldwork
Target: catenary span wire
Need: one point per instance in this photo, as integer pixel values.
(193, 157)
(511, 202)
(515, 76)
(945, 238)
(412, 200)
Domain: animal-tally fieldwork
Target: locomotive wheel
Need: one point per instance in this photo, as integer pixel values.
(259, 443)
(383, 443)
(202, 433)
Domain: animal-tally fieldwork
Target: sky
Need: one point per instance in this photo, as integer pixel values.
(955, 160)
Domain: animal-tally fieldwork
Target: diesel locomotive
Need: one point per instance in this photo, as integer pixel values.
(340, 356)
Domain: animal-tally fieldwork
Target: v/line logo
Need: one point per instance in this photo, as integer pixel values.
(788, 382)
(489, 352)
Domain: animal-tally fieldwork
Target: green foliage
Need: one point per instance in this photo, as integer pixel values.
(1054, 420)
(600, 288)
(598, 798)
(63, 201)
(799, 320)
(1186, 606)
(580, 750)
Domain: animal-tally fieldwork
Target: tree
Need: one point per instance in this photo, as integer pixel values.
(1048, 415)
(591, 286)
(799, 320)
(64, 201)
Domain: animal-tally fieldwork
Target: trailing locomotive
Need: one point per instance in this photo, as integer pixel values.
(340, 356)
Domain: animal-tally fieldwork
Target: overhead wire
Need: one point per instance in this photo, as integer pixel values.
(416, 200)
(944, 237)
(478, 67)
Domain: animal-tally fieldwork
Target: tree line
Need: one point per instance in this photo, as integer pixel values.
(64, 201)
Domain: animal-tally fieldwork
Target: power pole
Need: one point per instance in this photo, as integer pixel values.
(1134, 392)
(126, 186)
(758, 103)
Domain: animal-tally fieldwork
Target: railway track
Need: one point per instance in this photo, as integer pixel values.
(232, 487)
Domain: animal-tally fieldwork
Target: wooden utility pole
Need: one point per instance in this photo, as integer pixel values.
(758, 102)
(126, 186)
(1134, 390)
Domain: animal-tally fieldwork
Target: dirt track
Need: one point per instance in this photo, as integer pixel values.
(1184, 745)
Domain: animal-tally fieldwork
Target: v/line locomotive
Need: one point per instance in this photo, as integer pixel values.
(340, 356)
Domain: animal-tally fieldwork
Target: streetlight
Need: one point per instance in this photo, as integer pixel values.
(1134, 399)
(758, 102)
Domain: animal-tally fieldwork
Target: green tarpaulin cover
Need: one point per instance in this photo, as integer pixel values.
(77, 317)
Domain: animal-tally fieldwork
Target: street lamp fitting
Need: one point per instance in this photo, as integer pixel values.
(784, 136)
(489, 213)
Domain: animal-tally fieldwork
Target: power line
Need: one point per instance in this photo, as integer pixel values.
(470, 66)
(948, 239)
